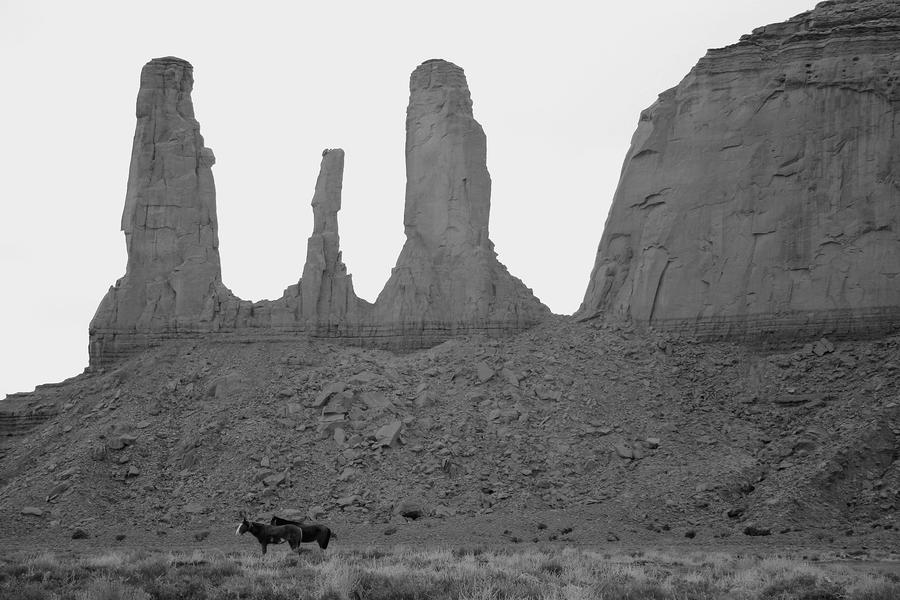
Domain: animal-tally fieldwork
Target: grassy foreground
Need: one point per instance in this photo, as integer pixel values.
(408, 573)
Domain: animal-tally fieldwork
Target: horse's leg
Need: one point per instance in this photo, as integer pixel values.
(264, 546)
(324, 537)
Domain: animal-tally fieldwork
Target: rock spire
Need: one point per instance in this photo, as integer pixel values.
(447, 273)
(447, 282)
(173, 272)
(760, 196)
(326, 287)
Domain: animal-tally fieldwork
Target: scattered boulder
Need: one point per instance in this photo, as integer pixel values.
(735, 512)
(623, 450)
(32, 511)
(410, 509)
(58, 489)
(375, 402)
(201, 535)
(80, 534)
(389, 435)
(365, 377)
(510, 376)
(329, 390)
(274, 480)
(340, 436)
(483, 372)
(823, 347)
(547, 395)
(346, 501)
(756, 530)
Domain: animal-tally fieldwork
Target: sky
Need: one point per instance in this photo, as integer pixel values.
(557, 86)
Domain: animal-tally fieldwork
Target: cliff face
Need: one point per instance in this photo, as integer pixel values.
(447, 274)
(759, 197)
(447, 282)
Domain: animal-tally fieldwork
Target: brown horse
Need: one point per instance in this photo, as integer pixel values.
(271, 534)
(312, 532)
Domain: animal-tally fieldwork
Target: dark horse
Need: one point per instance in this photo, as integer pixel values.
(272, 534)
(311, 532)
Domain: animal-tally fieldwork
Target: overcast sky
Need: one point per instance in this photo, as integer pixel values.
(558, 87)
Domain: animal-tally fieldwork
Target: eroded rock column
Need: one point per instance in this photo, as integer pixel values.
(173, 274)
(448, 274)
(326, 288)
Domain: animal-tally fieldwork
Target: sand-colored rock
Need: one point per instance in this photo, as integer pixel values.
(447, 274)
(173, 278)
(326, 287)
(447, 282)
(759, 197)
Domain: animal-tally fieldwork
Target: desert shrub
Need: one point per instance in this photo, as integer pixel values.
(874, 590)
(27, 591)
(462, 551)
(244, 588)
(512, 586)
(181, 588)
(148, 569)
(107, 589)
(551, 567)
(630, 589)
(404, 586)
(801, 587)
(704, 589)
(370, 554)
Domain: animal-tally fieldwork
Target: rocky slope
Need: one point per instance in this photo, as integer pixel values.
(447, 281)
(578, 425)
(759, 196)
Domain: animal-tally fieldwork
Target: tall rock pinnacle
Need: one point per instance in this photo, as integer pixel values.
(448, 272)
(760, 196)
(327, 296)
(169, 219)
(447, 281)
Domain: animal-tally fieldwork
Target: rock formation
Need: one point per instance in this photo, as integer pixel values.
(173, 277)
(448, 275)
(759, 197)
(447, 282)
(327, 296)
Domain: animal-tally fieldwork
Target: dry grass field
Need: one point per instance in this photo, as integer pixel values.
(441, 573)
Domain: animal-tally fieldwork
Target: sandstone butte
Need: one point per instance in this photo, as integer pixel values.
(447, 280)
(759, 198)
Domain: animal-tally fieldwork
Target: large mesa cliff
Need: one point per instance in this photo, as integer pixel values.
(759, 198)
(447, 281)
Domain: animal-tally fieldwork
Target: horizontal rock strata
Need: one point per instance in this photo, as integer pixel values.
(448, 281)
(759, 198)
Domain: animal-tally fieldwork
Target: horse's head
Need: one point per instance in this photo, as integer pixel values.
(244, 526)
